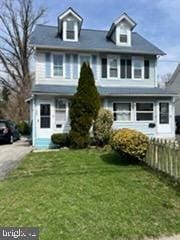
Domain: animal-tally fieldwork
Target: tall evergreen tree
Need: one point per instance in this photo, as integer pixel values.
(84, 108)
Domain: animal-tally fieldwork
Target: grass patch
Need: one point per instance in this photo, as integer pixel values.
(88, 194)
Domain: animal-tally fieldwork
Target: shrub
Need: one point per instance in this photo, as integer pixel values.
(130, 142)
(60, 139)
(102, 127)
(24, 128)
(84, 108)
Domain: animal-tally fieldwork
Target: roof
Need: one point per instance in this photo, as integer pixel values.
(174, 75)
(90, 40)
(103, 91)
(125, 17)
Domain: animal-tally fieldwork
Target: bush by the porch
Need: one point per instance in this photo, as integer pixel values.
(24, 128)
(102, 127)
(84, 108)
(60, 139)
(130, 142)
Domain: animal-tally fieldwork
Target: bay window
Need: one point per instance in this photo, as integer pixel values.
(144, 111)
(58, 65)
(60, 112)
(122, 111)
(113, 67)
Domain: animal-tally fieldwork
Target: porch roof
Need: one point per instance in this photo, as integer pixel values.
(64, 90)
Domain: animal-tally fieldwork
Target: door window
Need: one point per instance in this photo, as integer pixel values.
(164, 113)
(45, 113)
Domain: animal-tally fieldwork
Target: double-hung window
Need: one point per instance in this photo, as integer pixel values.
(126, 68)
(144, 111)
(60, 112)
(123, 35)
(70, 34)
(138, 68)
(122, 111)
(58, 65)
(113, 67)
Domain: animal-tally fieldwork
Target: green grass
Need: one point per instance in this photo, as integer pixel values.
(88, 195)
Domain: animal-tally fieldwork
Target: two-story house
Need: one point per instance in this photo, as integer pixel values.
(125, 70)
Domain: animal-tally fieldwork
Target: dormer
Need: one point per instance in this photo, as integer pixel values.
(69, 25)
(121, 29)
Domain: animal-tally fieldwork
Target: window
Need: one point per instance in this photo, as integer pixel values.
(164, 112)
(122, 111)
(45, 114)
(104, 67)
(113, 68)
(126, 68)
(138, 69)
(70, 30)
(123, 38)
(60, 114)
(84, 59)
(144, 112)
(146, 69)
(58, 65)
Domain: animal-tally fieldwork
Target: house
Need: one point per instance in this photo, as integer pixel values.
(174, 85)
(125, 71)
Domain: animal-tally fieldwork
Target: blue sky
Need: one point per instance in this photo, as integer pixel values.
(157, 20)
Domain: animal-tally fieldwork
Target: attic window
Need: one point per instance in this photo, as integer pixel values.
(70, 34)
(123, 38)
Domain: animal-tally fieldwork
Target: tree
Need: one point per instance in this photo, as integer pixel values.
(84, 108)
(17, 21)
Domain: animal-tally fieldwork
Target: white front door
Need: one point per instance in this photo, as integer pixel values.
(163, 117)
(44, 120)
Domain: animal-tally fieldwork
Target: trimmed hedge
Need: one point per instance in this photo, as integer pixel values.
(61, 139)
(102, 127)
(130, 142)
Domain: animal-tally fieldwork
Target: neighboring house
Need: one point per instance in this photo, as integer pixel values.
(174, 85)
(125, 70)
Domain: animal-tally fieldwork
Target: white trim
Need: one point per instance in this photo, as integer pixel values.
(52, 65)
(153, 112)
(70, 11)
(109, 58)
(65, 31)
(141, 59)
(131, 111)
(127, 18)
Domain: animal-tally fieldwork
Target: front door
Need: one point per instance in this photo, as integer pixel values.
(163, 117)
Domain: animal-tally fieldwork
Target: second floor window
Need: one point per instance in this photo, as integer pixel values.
(84, 59)
(113, 67)
(126, 68)
(138, 66)
(58, 65)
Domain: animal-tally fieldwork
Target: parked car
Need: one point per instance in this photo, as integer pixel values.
(177, 120)
(8, 131)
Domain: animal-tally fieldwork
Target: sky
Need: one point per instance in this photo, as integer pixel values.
(157, 20)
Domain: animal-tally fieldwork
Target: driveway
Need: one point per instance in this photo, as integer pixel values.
(11, 155)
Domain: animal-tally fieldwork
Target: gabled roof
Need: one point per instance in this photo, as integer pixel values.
(90, 40)
(123, 17)
(174, 76)
(66, 13)
(103, 91)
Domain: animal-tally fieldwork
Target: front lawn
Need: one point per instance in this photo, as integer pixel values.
(88, 195)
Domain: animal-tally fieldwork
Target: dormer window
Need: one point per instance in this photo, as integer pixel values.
(70, 31)
(123, 38)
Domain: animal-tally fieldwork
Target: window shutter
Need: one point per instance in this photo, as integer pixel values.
(47, 65)
(68, 66)
(94, 66)
(104, 67)
(146, 69)
(123, 73)
(75, 66)
(129, 68)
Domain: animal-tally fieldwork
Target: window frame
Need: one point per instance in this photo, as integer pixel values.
(109, 58)
(142, 68)
(153, 111)
(60, 109)
(52, 65)
(131, 111)
(159, 113)
(74, 31)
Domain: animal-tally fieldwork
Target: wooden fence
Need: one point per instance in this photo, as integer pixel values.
(164, 155)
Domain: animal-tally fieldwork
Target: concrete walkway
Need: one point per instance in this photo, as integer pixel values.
(12, 154)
